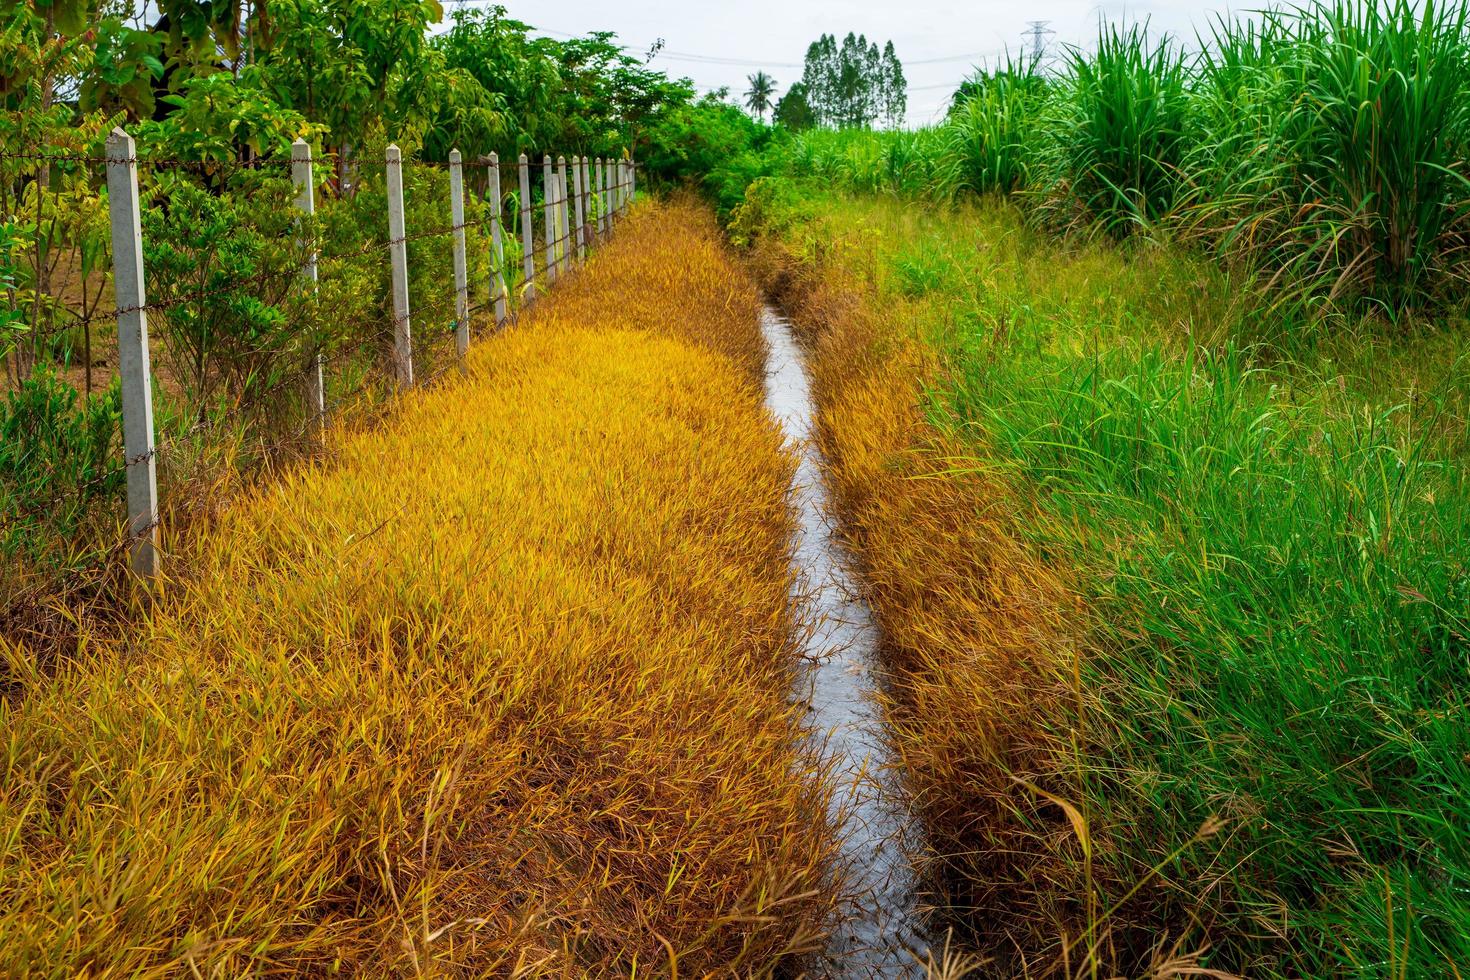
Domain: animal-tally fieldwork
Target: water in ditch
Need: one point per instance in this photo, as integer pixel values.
(881, 936)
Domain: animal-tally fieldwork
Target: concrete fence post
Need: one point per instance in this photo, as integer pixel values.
(497, 244)
(612, 194)
(564, 188)
(557, 249)
(304, 180)
(632, 180)
(398, 254)
(548, 222)
(132, 354)
(612, 197)
(587, 236)
(580, 186)
(461, 265)
(562, 224)
(600, 188)
(528, 234)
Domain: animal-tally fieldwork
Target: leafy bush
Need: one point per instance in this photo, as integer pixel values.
(57, 456)
(695, 141)
(772, 205)
(225, 270)
(12, 320)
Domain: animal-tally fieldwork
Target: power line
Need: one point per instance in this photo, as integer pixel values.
(733, 62)
(973, 56)
(1037, 34)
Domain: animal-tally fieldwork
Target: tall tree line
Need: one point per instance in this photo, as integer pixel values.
(854, 84)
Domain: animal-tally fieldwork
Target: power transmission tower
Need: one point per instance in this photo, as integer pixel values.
(1038, 34)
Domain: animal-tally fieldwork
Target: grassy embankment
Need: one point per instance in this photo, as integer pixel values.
(500, 687)
(1178, 623)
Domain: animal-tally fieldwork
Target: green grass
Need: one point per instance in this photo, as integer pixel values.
(1273, 545)
(1330, 144)
(1324, 145)
(1117, 119)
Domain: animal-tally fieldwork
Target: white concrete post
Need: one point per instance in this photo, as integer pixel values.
(548, 209)
(555, 227)
(305, 183)
(611, 194)
(461, 266)
(563, 217)
(580, 186)
(622, 187)
(132, 353)
(528, 250)
(601, 198)
(632, 180)
(600, 216)
(611, 190)
(588, 178)
(398, 253)
(606, 178)
(497, 245)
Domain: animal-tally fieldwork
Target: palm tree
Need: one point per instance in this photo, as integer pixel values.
(758, 98)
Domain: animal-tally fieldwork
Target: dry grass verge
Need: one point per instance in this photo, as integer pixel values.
(502, 688)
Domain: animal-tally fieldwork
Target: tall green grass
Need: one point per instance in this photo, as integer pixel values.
(871, 161)
(1324, 146)
(1281, 607)
(990, 141)
(1332, 144)
(1271, 746)
(1117, 123)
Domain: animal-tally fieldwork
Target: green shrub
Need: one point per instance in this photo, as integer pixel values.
(225, 269)
(58, 455)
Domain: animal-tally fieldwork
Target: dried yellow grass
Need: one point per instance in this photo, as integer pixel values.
(502, 688)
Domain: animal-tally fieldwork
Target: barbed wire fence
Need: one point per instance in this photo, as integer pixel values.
(581, 201)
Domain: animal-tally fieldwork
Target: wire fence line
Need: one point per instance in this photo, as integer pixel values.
(578, 210)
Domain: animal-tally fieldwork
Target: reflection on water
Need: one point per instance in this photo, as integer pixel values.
(882, 936)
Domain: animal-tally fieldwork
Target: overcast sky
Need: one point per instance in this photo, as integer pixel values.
(718, 44)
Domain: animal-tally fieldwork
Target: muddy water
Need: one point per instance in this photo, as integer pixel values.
(881, 937)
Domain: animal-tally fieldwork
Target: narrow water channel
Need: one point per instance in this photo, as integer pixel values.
(882, 936)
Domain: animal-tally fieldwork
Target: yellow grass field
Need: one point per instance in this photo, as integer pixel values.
(502, 687)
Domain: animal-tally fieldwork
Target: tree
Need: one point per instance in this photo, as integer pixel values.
(894, 88)
(854, 85)
(793, 110)
(758, 97)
